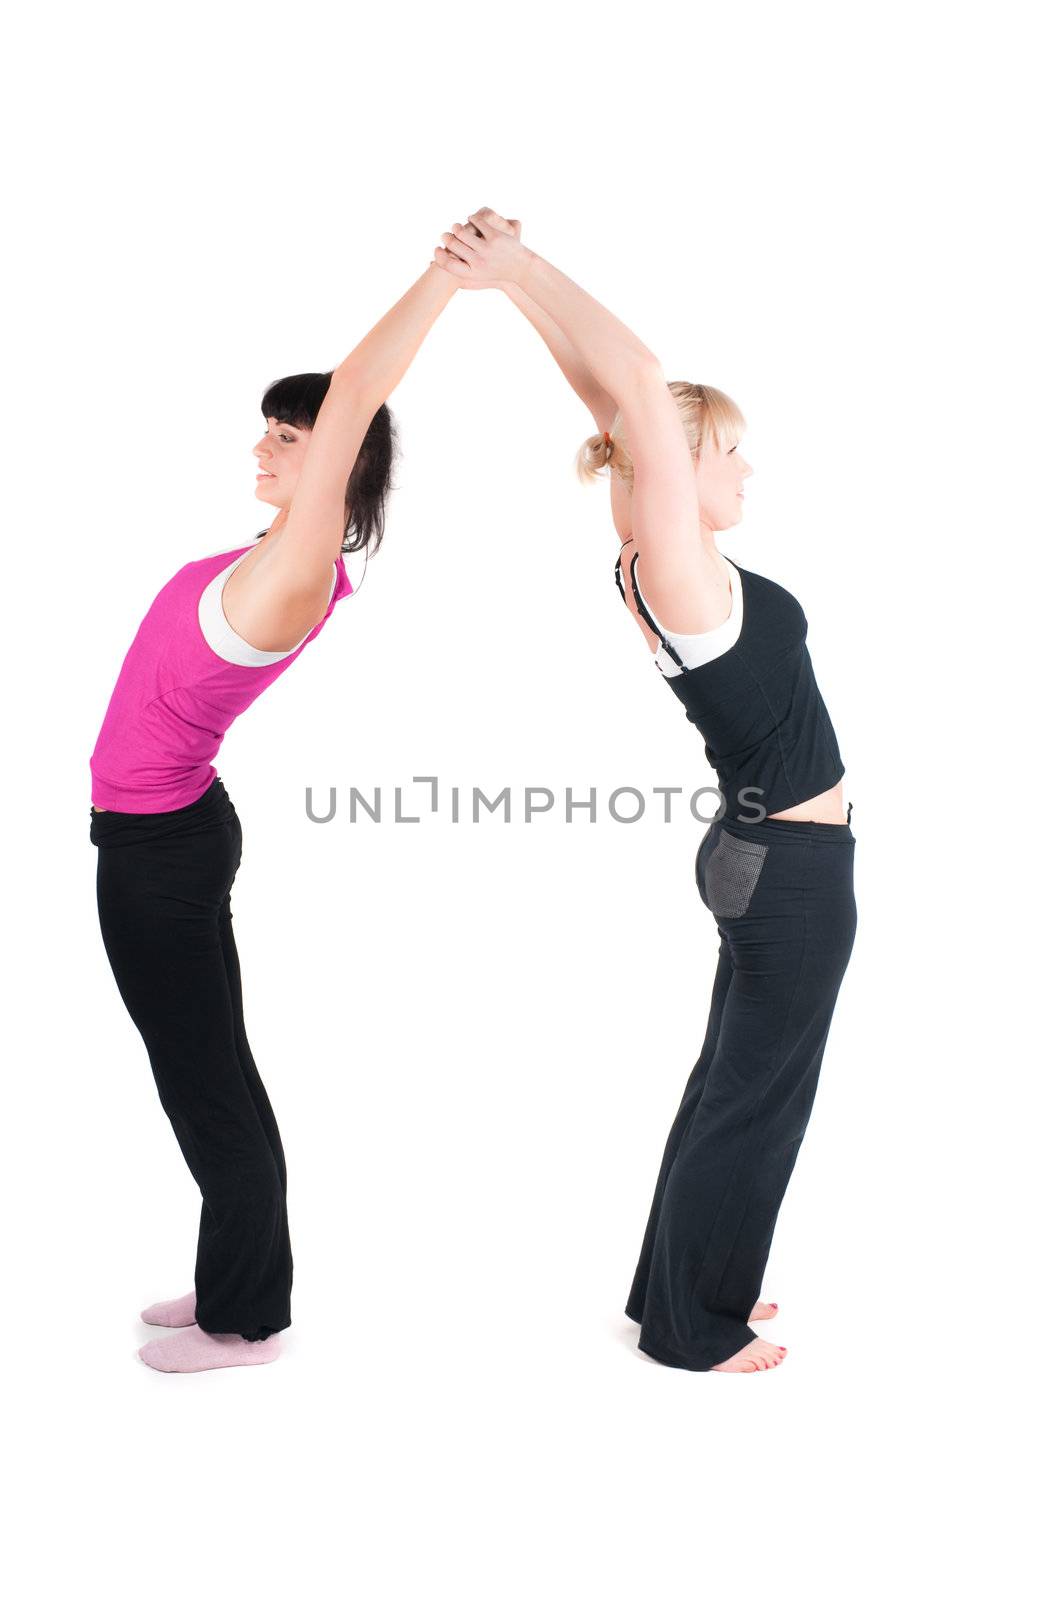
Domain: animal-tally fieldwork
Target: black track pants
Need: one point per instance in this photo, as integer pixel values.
(782, 896)
(162, 887)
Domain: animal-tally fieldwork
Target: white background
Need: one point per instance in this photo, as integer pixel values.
(475, 1037)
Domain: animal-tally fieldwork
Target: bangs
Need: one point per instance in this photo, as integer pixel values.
(297, 399)
(722, 421)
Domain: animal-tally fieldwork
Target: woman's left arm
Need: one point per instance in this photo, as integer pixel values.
(359, 386)
(601, 405)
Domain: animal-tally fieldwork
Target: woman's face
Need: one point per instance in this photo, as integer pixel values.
(720, 477)
(279, 454)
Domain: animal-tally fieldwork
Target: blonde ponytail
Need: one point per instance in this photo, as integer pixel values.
(705, 413)
(595, 455)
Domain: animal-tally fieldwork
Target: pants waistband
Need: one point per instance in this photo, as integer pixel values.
(781, 828)
(212, 809)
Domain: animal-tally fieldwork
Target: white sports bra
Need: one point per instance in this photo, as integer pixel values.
(693, 649)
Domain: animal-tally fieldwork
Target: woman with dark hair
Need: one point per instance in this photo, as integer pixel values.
(215, 637)
(731, 645)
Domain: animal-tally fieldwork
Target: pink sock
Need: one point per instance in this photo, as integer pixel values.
(196, 1351)
(172, 1313)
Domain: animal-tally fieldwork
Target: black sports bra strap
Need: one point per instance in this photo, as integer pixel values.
(669, 648)
(616, 571)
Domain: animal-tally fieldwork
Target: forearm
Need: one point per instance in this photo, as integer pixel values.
(375, 366)
(577, 372)
(616, 358)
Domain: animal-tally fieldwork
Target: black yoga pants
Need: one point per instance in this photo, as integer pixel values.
(163, 883)
(782, 896)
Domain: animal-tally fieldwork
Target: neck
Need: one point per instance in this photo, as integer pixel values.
(276, 527)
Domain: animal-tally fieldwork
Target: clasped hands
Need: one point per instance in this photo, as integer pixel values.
(484, 252)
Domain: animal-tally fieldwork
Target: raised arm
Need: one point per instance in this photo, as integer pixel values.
(581, 380)
(313, 530)
(599, 402)
(664, 502)
(602, 407)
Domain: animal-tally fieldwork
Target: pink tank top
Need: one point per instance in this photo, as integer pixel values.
(185, 678)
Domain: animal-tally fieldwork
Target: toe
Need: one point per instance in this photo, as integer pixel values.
(149, 1354)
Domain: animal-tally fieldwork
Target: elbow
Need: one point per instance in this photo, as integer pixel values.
(352, 380)
(649, 369)
(647, 394)
(645, 378)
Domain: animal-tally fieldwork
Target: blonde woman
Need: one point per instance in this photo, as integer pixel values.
(775, 867)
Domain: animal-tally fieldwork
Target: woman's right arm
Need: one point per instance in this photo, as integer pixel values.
(581, 379)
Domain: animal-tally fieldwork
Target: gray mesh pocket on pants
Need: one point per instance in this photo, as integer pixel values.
(730, 875)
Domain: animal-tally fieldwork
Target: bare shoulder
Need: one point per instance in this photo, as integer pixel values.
(694, 602)
(270, 604)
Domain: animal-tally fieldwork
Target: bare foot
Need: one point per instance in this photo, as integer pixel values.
(762, 1310)
(754, 1357)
